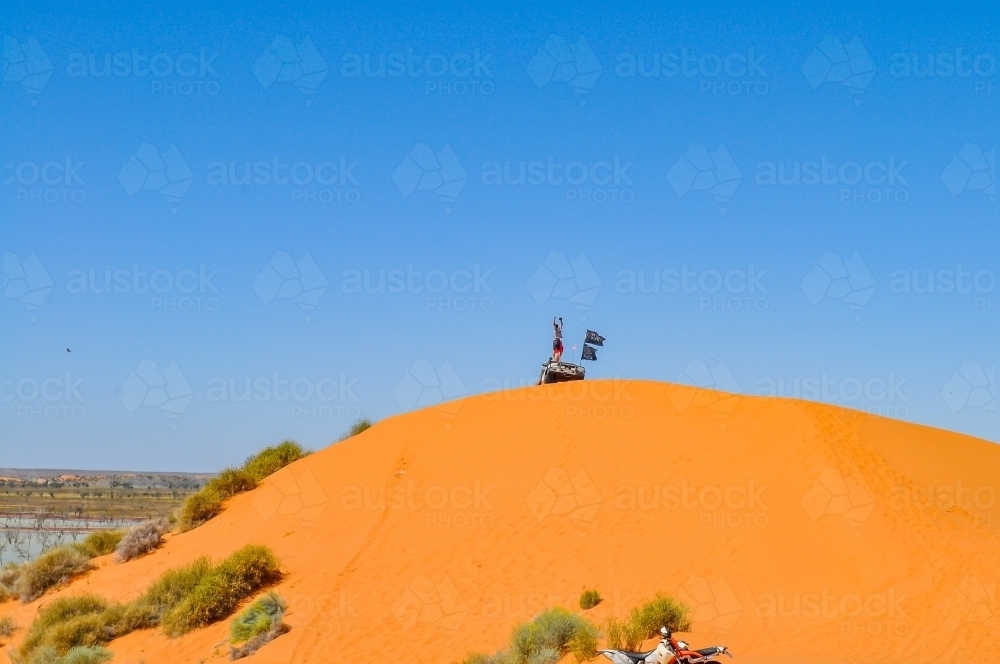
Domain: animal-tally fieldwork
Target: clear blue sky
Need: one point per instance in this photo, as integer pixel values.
(463, 162)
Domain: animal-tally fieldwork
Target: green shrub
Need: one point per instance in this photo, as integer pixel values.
(544, 655)
(661, 611)
(257, 618)
(50, 569)
(221, 589)
(174, 585)
(99, 543)
(272, 459)
(85, 630)
(32, 579)
(86, 655)
(7, 626)
(645, 621)
(548, 632)
(9, 575)
(483, 658)
(259, 641)
(544, 640)
(60, 612)
(232, 481)
(198, 508)
(583, 643)
(589, 599)
(360, 426)
(623, 634)
(207, 503)
(77, 655)
(181, 599)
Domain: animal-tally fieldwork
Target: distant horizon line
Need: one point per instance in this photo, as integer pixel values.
(39, 473)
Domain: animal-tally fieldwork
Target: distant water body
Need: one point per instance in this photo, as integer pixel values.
(24, 538)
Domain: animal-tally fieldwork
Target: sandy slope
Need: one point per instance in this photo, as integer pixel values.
(799, 532)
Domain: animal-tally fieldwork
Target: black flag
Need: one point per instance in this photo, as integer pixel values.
(589, 353)
(594, 338)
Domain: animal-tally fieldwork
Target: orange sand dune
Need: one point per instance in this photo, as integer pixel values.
(798, 532)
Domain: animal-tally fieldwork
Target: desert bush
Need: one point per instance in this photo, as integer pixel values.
(548, 632)
(272, 459)
(583, 643)
(86, 655)
(623, 634)
(257, 642)
(198, 508)
(544, 640)
(7, 627)
(174, 585)
(99, 543)
(358, 427)
(232, 481)
(483, 658)
(77, 655)
(62, 611)
(257, 618)
(140, 539)
(544, 655)
(589, 599)
(661, 611)
(181, 599)
(222, 588)
(54, 567)
(645, 621)
(9, 575)
(259, 624)
(207, 503)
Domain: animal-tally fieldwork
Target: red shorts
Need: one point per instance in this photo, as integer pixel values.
(557, 345)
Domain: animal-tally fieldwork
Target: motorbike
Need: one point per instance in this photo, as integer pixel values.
(668, 651)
